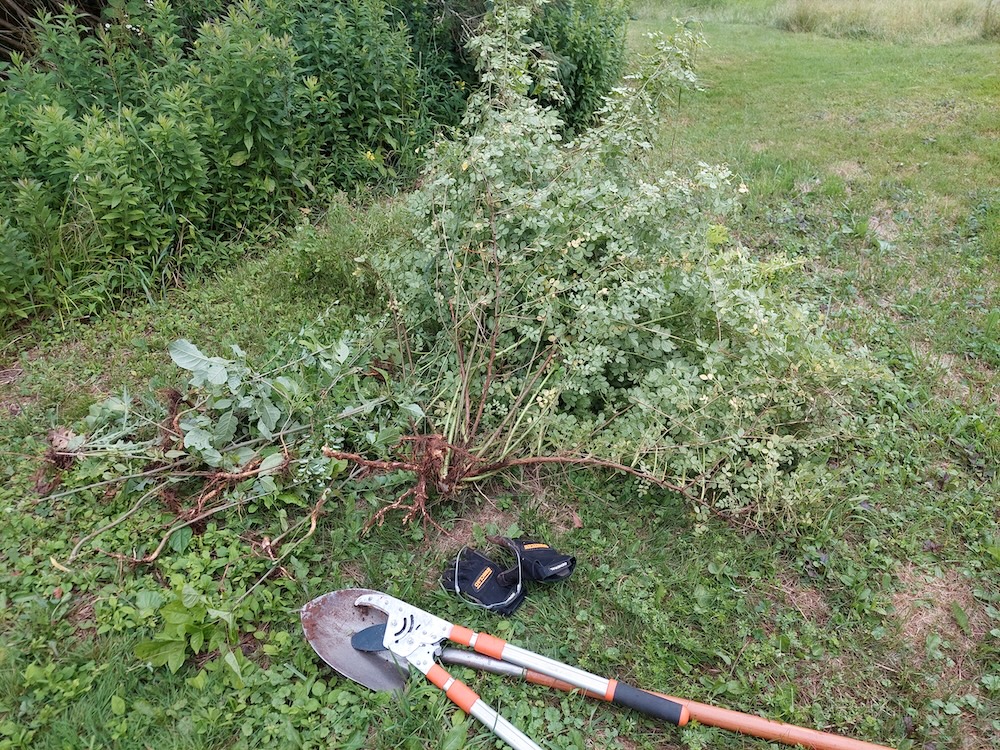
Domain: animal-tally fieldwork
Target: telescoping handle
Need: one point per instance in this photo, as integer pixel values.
(703, 713)
(612, 691)
(466, 699)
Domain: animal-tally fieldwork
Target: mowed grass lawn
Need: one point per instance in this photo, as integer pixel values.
(875, 167)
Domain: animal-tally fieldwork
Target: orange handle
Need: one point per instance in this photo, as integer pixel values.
(735, 721)
(757, 726)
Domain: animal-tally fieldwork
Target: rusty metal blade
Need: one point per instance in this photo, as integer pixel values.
(330, 621)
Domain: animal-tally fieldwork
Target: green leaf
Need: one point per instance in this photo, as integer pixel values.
(221, 614)
(239, 158)
(961, 618)
(197, 640)
(148, 600)
(117, 706)
(198, 439)
(159, 653)
(187, 356)
(288, 386)
(455, 739)
(190, 596)
(175, 658)
(268, 415)
(180, 539)
(233, 663)
(270, 463)
(413, 410)
(225, 428)
(199, 681)
(177, 613)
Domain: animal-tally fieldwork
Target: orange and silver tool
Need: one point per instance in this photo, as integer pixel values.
(373, 639)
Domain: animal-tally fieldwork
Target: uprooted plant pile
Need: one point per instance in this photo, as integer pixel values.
(557, 304)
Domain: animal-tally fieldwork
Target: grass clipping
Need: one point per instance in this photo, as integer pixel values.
(554, 305)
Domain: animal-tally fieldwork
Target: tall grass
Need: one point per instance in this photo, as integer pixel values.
(896, 21)
(991, 21)
(925, 21)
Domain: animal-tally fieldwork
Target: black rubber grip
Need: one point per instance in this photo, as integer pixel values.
(647, 703)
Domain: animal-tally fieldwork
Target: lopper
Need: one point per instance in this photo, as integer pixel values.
(373, 639)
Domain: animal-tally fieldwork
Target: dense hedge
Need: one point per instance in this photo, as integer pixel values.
(130, 151)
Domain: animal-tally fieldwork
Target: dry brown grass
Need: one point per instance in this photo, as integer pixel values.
(924, 21)
(925, 606)
(807, 601)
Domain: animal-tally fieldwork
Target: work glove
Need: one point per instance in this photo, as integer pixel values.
(478, 578)
(537, 560)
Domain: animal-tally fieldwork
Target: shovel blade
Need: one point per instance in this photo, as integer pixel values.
(331, 620)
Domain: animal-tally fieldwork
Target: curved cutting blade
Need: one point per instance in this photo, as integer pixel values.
(331, 620)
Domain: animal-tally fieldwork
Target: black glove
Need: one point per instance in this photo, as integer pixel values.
(537, 560)
(477, 577)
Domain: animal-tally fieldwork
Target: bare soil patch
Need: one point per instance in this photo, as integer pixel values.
(848, 170)
(809, 602)
(929, 604)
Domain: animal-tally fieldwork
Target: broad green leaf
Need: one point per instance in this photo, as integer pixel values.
(177, 613)
(117, 705)
(148, 600)
(455, 739)
(190, 596)
(234, 665)
(239, 158)
(270, 463)
(217, 374)
(288, 386)
(961, 618)
(413, 410)
(175, 658)
(187, 356)
(198, 439)
(268, 415)
(197, 640)
(180, 539)
(199, 681)
(221, 614)
(225, 429)
(158, 653)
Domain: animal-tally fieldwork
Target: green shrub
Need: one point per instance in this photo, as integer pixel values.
(364, 95)
(129, 152)
(587, 39)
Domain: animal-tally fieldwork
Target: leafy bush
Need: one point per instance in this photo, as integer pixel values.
(365, 110)
(565, 305)
(129, 153)
(587, 39)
